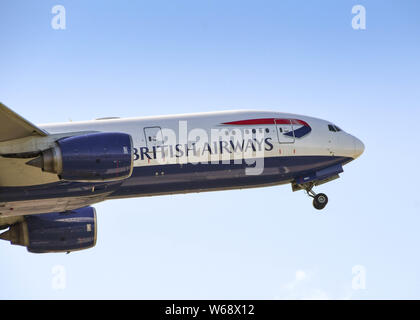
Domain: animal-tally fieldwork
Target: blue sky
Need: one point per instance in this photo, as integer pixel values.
(126, 58)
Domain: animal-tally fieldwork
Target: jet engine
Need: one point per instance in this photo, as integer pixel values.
(55, 232)
(93, 157)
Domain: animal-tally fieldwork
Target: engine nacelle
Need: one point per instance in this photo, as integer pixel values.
(93, 157)
(55, 232)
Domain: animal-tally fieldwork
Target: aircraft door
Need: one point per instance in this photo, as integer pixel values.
(333, 139)
(153, 136)
(285, 133)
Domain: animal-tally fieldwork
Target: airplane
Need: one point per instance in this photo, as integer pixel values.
(52, 174)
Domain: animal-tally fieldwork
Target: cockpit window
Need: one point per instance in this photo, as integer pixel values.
(331, 128)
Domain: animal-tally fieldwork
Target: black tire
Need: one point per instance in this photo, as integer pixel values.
(320, 201)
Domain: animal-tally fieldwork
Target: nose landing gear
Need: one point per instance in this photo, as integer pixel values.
(320, 199)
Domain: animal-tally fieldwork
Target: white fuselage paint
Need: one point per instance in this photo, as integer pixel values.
(318, 142)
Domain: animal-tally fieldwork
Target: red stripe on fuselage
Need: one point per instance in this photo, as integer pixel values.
(266, 121)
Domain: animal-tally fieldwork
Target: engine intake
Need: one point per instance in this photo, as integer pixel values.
(93, 157)
(55, 232)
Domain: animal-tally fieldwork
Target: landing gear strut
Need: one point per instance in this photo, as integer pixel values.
(320, 199)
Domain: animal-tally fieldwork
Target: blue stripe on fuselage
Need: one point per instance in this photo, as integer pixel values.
(176, 178)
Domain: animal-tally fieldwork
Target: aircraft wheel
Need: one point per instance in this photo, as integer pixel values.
(320, 201)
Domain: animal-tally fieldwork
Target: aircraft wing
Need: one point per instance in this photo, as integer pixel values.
(13, 126)
(17, 147)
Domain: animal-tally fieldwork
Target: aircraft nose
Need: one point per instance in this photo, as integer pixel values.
(359, 147)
